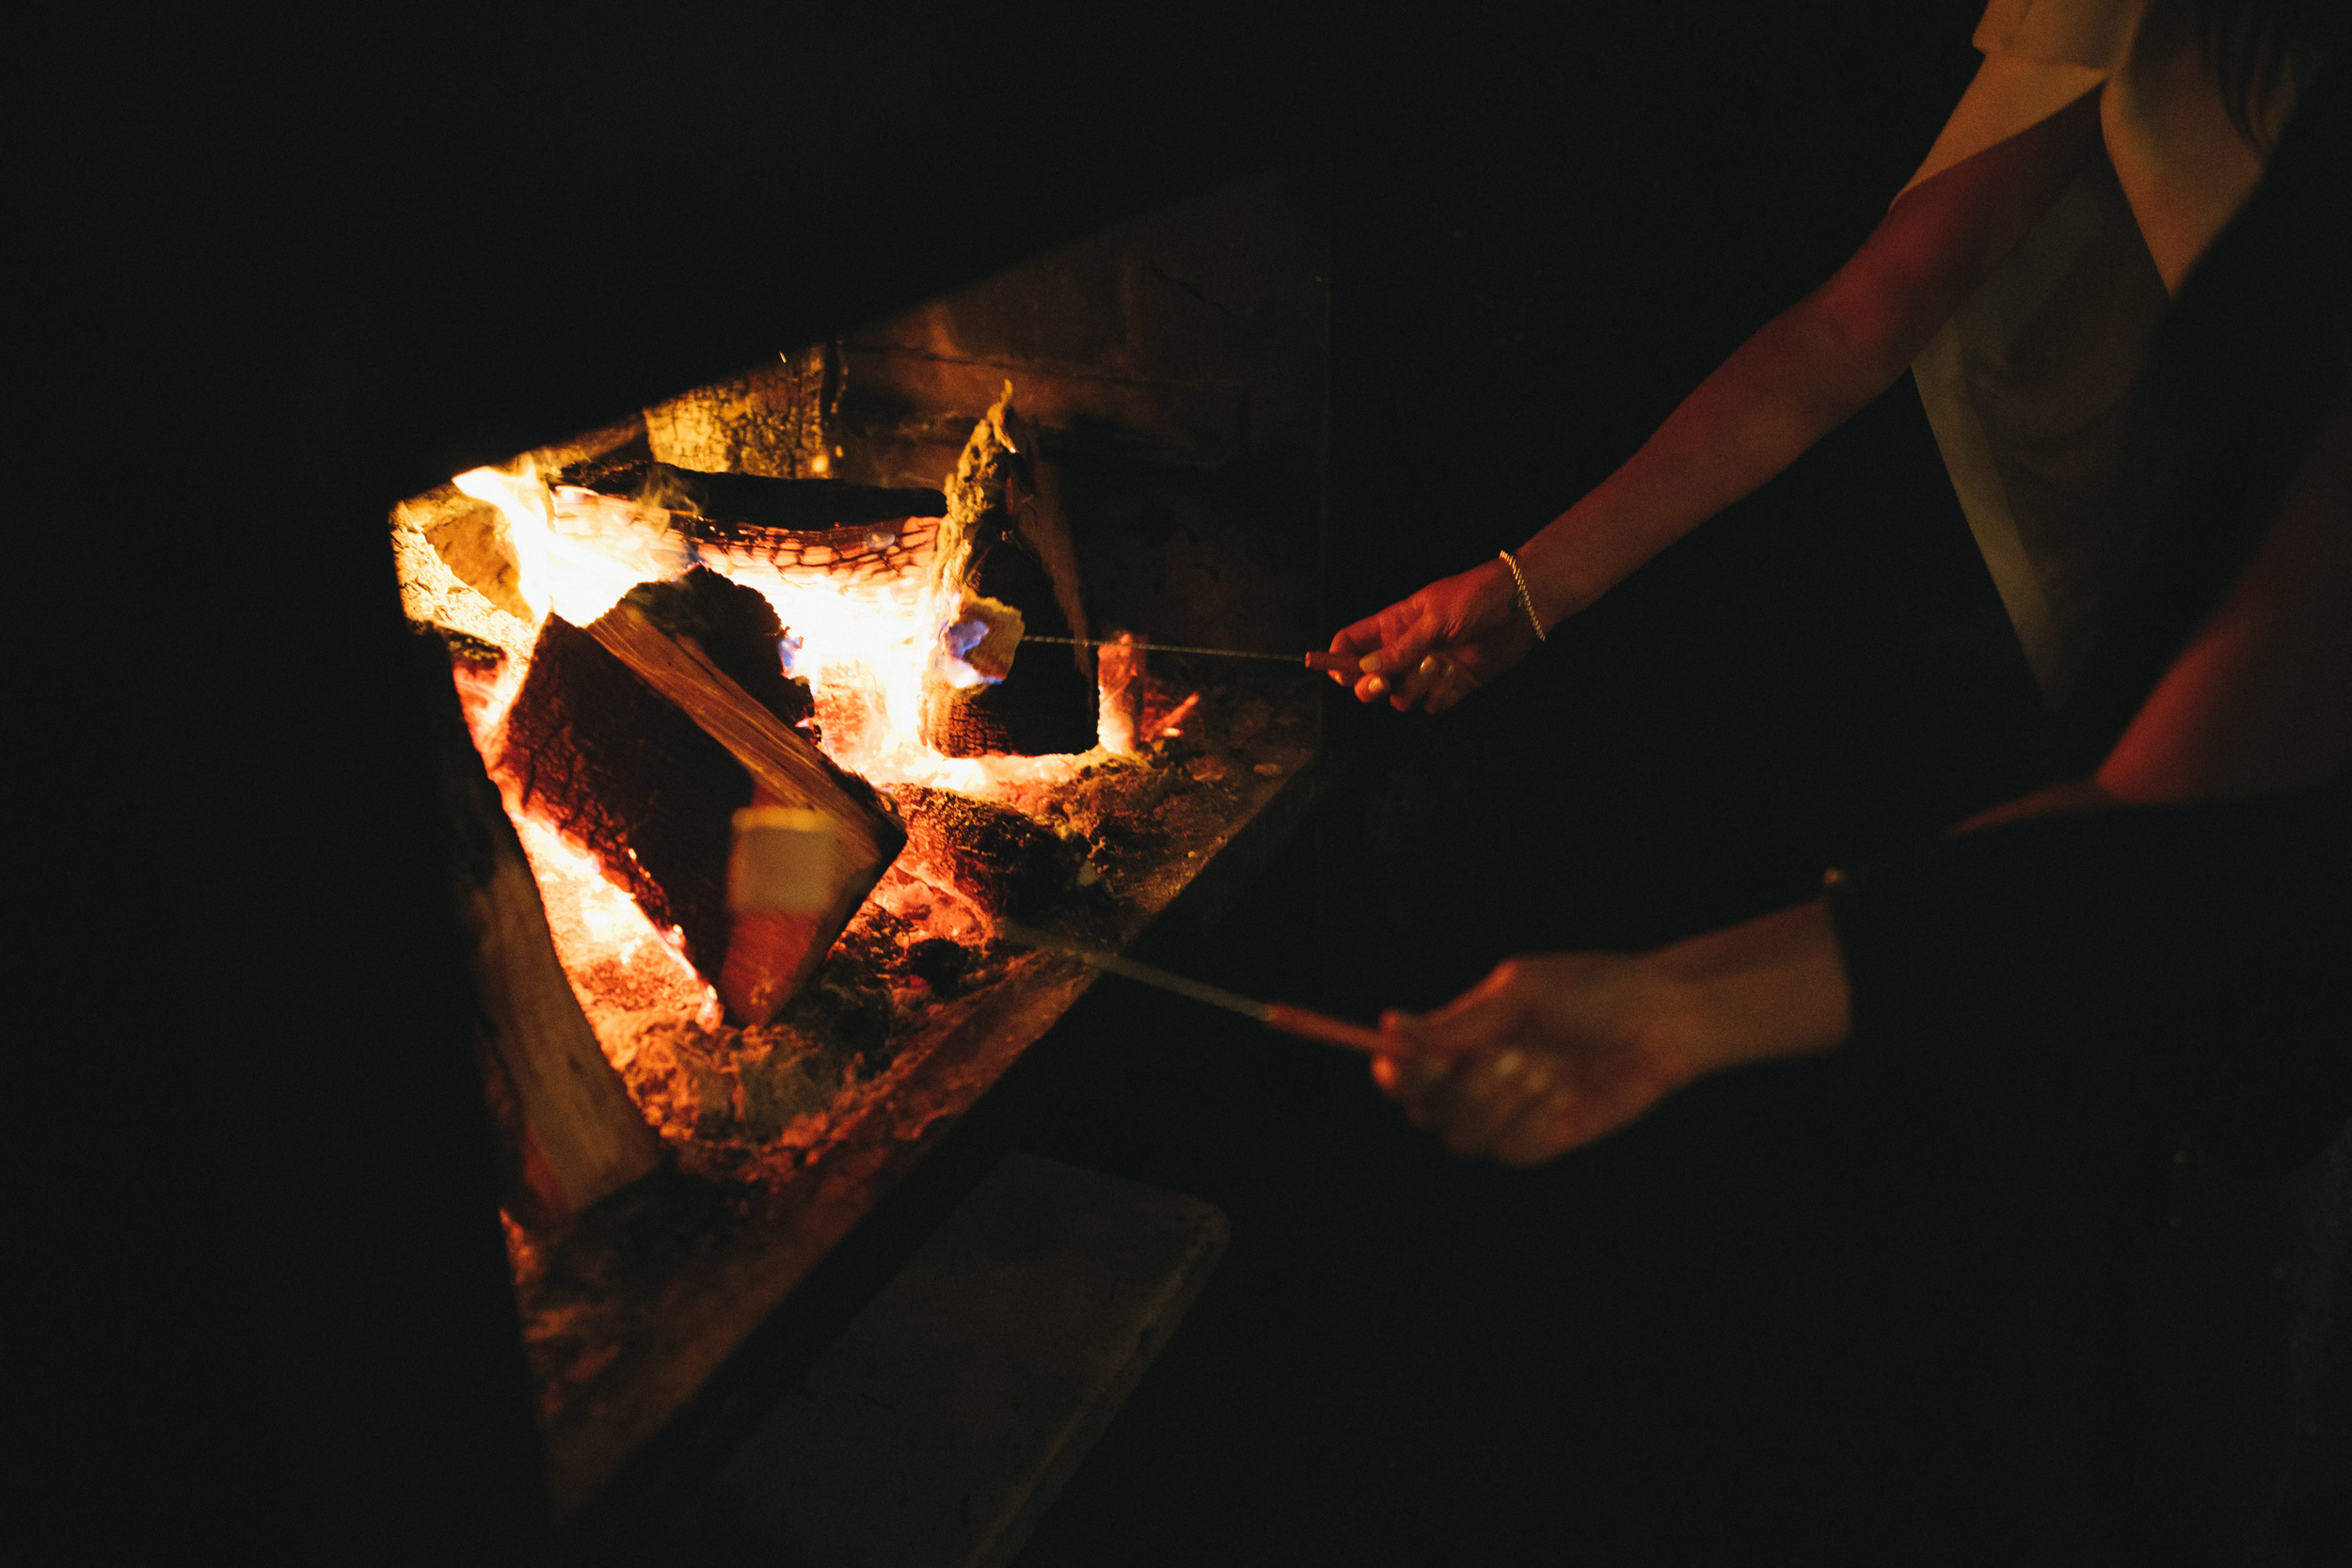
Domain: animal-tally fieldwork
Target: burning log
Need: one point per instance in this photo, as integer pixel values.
(643, 737)
(1119, 668)
(1006, 542)
(1005, 863)
(784, 523)
(571, 1132)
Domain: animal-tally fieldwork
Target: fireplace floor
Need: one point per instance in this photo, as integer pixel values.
(629, 1312)
(936, 1431)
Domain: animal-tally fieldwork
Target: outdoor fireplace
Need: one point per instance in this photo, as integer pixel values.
(799, 602)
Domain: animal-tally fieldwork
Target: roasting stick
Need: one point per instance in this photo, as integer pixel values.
(1314, 662)
(1302, 1022)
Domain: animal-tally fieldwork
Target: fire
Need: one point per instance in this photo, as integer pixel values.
(621, 966)
(576, 561)
(864, 641)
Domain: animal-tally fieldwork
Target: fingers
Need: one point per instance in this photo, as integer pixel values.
(1480, 1105)
(1492, 1074)
(1352, 643)
(1437, 683)
(1452, 1078)
(1405, 663)
(1550, 1124)
(1388, 649)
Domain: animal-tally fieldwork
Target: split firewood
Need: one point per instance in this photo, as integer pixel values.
(1005, 541)
(783, 892)
(570, 1132)
(1007, 863)
(644, 735)
(1120, 686)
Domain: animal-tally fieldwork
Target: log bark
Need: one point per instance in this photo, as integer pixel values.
(1009, 864)
(644, 736)
(674, 637)
(788, 521)
(1005, 538)
(570, 1132)
(623, 774)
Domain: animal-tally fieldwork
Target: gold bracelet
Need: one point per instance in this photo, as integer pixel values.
(1527, 600)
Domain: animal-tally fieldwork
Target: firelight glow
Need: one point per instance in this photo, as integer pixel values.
(864, 641)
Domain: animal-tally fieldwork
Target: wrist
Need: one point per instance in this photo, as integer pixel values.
(1764, 990)
(1552, 565)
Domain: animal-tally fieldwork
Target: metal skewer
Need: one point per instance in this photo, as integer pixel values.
(1313, 660)
(1302, 1022)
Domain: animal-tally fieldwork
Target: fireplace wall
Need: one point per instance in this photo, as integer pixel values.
(278, 278)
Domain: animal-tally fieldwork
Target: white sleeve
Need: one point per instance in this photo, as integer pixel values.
(2040, 56)
(2007, 95)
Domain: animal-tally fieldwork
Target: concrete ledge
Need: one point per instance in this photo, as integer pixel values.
(938, 1428)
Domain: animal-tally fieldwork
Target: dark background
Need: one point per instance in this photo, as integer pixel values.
(274, 270)
(1712, 1339)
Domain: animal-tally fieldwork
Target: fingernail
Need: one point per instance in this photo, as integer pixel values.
(1375, 686)
(1432, 664)
(1372, 664)
(1508, 1064)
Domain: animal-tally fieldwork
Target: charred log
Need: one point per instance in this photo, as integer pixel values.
(823, 523)
(569, 1130)
(1005, 539)
(1007, 863)
(771, 947)
(620, 772)
(736, 628)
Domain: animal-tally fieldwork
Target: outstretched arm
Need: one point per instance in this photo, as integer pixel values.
(1808, 371)
(1550, 1053)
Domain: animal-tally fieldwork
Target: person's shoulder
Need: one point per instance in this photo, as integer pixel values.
(2091, 33)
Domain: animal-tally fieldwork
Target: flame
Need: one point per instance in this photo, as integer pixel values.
(864, 642)
(576, 552)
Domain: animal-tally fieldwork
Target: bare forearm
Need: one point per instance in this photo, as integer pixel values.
(1781, 391)
(1816, 365)
(1767, 988)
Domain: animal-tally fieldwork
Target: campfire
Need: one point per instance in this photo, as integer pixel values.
(764, 759)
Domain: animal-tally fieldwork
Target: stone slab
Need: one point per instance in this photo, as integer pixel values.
(940, 1426)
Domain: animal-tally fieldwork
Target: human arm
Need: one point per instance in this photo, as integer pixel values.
(2212, 844)
(1805, 373)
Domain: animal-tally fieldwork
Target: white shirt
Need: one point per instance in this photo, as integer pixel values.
(2026, 387)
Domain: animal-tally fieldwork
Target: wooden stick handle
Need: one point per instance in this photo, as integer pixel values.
(1347, 663)
(1309, 1024)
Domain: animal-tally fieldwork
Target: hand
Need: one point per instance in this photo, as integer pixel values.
(1544, 1055)
(1438, 646)
(1548, 1054)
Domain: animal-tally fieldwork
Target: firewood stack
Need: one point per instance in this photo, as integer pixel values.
(1005, 554)
(644, 736)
